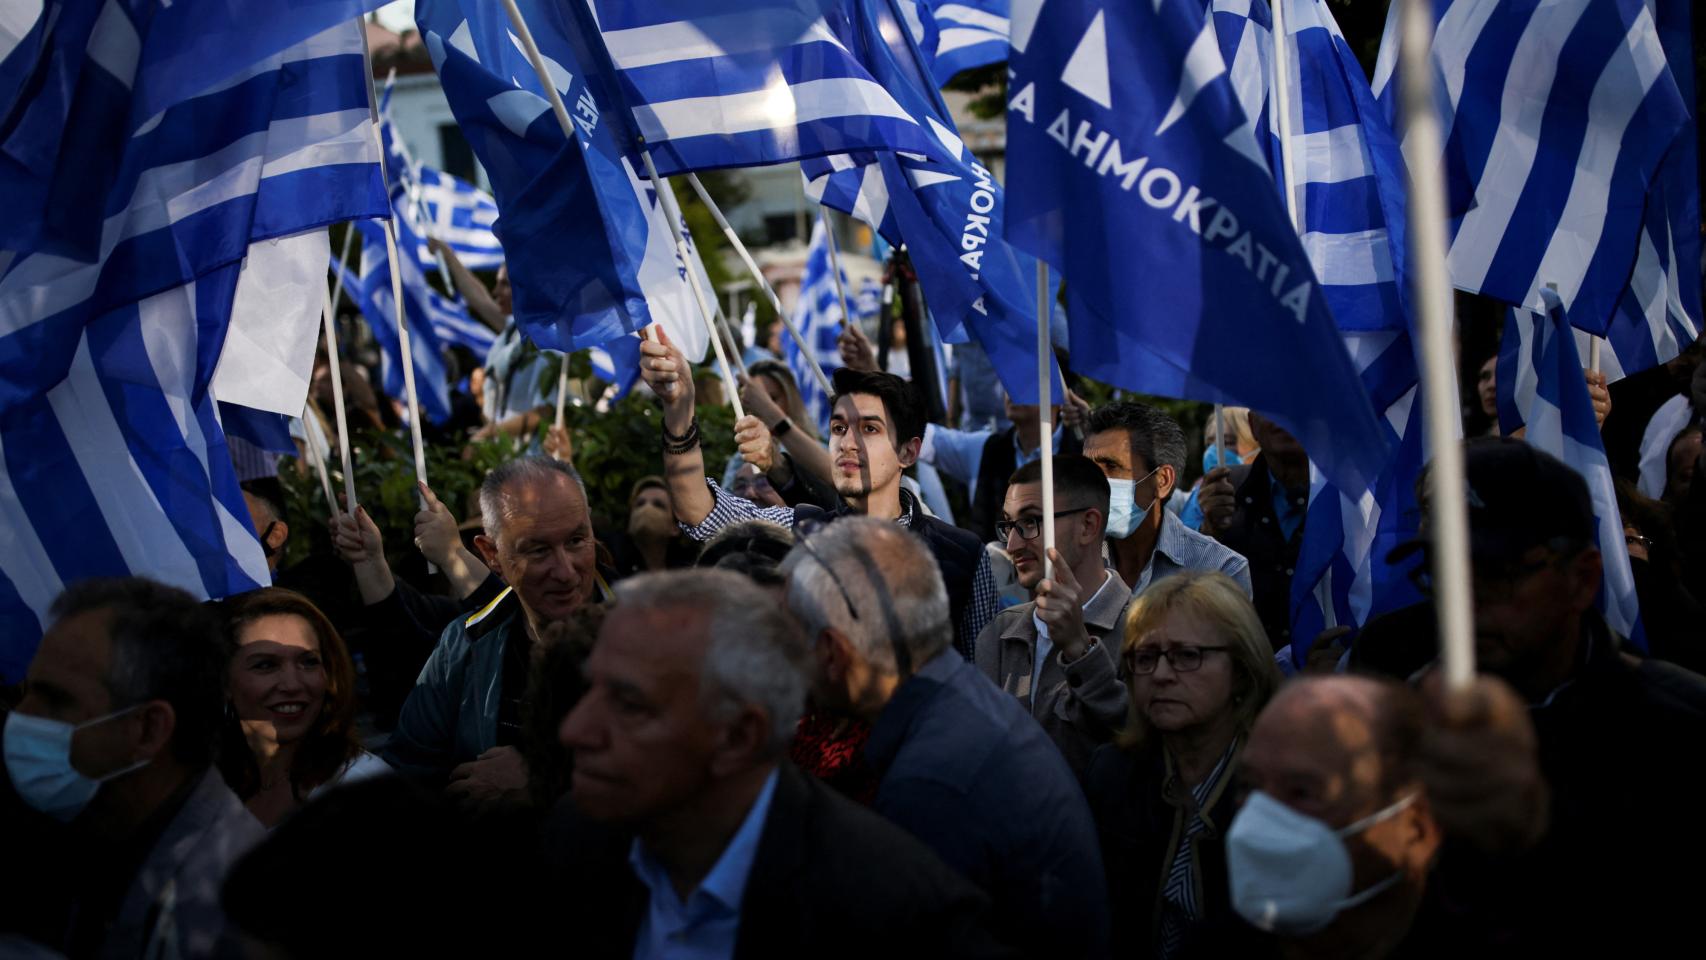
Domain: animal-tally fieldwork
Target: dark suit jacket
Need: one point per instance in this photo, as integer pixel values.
(830, 879)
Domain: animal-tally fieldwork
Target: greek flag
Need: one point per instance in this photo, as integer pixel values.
(817, 314)
(1184, 272)
(740, 83)
(957, 36)
(1660, 312)
(1556, 116)
(437, 204)
(1541, 387)
(1348, 190)
(948, 212)
(423, 310)
(112, 456)
(585, 237)
(79, 77)
(461, 216)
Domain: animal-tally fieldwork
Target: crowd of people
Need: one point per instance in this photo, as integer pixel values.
(798, 710)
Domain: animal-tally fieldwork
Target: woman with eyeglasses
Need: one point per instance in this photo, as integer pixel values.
(1198, 668)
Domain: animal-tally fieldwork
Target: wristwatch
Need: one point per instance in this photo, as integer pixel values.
(781, 428)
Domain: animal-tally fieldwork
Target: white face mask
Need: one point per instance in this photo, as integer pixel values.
(1123, 515)
(38, 758)
(1291, 874)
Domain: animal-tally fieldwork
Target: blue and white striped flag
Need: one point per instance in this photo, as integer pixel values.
(1541, 386)
(112, 458)
(461, 216)
(436, 204)
(965, 34)
(84, 76)
(948, 212)
(1145, 187)
(817, 314)
(585, 238)
(1348, 194)
(423, 310)
(1556, 116)
(740, 83)
(1660, 312)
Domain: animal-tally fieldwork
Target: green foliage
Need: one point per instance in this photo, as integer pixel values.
(611, 450)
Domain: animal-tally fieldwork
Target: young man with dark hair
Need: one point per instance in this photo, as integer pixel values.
(875, 432)
(1142, 452)
(1057, 654)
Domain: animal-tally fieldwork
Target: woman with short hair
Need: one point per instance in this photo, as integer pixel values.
(1198, 668)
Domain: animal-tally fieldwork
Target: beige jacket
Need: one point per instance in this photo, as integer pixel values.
(1081, 704)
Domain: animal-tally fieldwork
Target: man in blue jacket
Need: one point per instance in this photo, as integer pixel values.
(462, 719)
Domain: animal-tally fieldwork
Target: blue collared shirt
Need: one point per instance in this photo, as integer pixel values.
(1180, 548)
(959, 453)
(705, 927)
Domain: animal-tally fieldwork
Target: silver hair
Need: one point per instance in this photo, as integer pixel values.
(877, 584)
(520, 470)
(755, 657)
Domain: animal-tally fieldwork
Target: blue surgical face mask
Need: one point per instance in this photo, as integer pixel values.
(1291, 874)
(38, 758)
(1123, 515)
(1215, 456)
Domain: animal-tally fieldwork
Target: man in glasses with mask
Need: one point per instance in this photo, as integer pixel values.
(112, 748)
(1332, 847)
(1053, 653)
(1142, 451)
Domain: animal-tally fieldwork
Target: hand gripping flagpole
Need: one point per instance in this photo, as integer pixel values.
(1448, 511)
(531, 48)
(338, 399)
(763, 284)
(667, 201)
(847, 318)
(1045, 409)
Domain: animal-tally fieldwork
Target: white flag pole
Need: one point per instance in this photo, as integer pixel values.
(669, 211)
(343, 263)
(1281, 99)
(531, 48)
(310, 424)
(1219, 435)
(562, 388)
(395, 264)
(338, 402)
(1045, 409)
(847, 318)
(763, 284)
(1448, 507)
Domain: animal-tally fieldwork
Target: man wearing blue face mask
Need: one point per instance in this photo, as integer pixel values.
(1142, 452)
(1333, 845)
(115, 738)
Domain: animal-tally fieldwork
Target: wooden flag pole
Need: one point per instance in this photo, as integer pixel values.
(763, 284)
(338, 403)
(1448, 513)
(1045, 409)
(667, 200)
(562, 388)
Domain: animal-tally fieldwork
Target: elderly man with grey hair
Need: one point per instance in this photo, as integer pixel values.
(688, 834)
(462, 720)
(963, 766)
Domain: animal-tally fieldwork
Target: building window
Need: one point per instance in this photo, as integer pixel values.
(458, 156)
